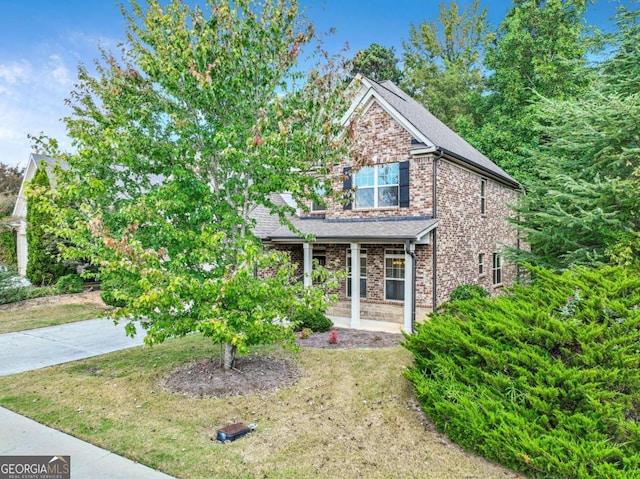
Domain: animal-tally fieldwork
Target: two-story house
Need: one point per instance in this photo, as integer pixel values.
(426, 214)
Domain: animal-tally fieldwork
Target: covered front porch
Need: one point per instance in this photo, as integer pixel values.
(390, 260)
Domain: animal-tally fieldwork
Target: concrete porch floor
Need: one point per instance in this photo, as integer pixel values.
(367, 324)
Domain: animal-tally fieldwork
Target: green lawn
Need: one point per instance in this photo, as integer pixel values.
(351, 414)
(46, 315)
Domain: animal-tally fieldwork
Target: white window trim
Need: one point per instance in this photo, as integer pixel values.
(482, 271)
(483, 196)
(363, 254)
(375, 187)
(323, 205)
(388, 254)
(497, 259)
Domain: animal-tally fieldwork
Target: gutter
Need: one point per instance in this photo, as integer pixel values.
(469, 163)
(434, 256)
(407, 250)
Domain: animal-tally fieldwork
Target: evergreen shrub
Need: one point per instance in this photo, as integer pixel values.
(545, 379)
(70, 283)
(8, 253)
(44, 266)
(11, 291)
(468, 291)
(314, 320)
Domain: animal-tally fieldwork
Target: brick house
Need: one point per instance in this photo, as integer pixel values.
(427, 214)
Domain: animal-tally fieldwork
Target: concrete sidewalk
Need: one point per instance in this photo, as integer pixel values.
(20, 436)
(38, 348)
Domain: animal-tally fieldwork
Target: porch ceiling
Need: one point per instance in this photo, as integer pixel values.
(357, 230)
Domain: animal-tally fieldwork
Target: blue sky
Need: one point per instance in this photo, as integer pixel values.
(43, 41)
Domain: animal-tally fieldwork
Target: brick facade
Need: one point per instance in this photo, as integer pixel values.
(463, 232)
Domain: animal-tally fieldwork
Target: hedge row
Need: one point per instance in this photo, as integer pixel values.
(545, 380)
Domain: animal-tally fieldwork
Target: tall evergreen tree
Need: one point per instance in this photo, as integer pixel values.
(540, 50)
(376, 62)
(443, 62)
(43, 257)
(586, 209)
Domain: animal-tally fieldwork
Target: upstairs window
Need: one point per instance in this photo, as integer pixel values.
(483, 196)
(377, 186)
(319, 206)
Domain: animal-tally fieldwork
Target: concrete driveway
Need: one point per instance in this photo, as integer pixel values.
(38, 348)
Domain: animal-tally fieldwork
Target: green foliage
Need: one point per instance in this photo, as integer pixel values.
(314, 320)
(118, 288)
(204, 118)
(11, 291)
(8, 252)
(468, 291)
(539, 50)
(376, 62)
(44, 266)
(585, 210)
(545, 379)
(443, 63)
(70, 283)
(10, 181)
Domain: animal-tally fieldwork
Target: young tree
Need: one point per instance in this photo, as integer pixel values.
(443, 62)
(205, 117)
(376, 62)
(585, 210)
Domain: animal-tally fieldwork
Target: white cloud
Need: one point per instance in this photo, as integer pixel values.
(16, 72)
(59, 71)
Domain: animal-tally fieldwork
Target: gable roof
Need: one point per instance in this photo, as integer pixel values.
(36, 161)
(425, 127)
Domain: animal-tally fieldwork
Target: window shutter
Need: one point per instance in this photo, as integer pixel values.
(346, 187)
(404, 184)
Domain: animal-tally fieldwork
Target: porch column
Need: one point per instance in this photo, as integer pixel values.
(21, 248)
(355, 285)
(408, 289)
(307, 263)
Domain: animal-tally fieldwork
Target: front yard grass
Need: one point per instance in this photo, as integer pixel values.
(351, 414)
(46, 315)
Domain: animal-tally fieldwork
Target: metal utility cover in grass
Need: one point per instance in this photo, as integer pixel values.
(232, 432)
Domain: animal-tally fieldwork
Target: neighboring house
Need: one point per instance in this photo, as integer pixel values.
(426, 214)
(19, 222)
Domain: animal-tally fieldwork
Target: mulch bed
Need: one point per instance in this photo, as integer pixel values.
(255, 374)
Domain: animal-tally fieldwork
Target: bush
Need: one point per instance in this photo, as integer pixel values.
(71, 283)
(468, 291)
(314, 320)
(544, 380)
(117, 288)
(44, 266)
(11, 291)
(8, 253)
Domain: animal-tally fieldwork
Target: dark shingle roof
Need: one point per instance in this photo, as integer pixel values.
(379, 229)
(437, 132)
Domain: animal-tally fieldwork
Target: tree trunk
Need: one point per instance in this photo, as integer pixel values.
(229, 356)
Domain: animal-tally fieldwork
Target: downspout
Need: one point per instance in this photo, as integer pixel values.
(434, 286)
(407, 250)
